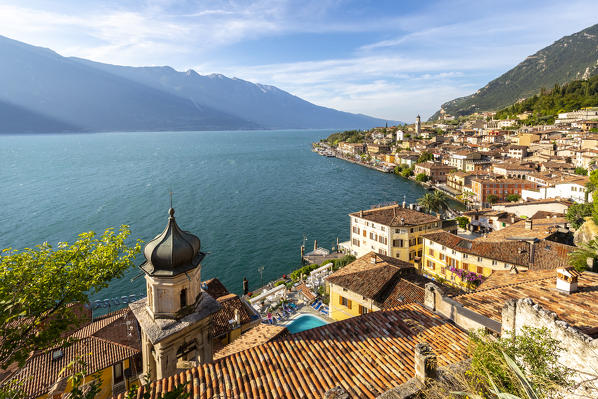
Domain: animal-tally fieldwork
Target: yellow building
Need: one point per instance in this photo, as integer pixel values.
(527, 138)
(373, 282)
(389, 158)
(448, 256)
(110, 348)
(391, 230)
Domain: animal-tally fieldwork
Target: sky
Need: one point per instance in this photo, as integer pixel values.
(389, 59)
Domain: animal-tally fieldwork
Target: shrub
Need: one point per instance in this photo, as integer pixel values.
(513, 197)
(422, 177)
(581, 171)
(462, 221)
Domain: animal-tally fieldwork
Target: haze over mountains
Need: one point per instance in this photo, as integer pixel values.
(571, 57)
(41, 91)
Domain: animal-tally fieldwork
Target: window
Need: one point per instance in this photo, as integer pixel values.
(430, 252)
(411, 255)
(397, 231)
(419, 240)
(465, 256)
(454, 252)
(118, 372)
(411, 230)
(397, 243)
(441, 256)
(480, 270)
(365, 233)
(183, 297)
(494, 263)
(342, 301)
(362, 309)
(349, 304)
(479, 258)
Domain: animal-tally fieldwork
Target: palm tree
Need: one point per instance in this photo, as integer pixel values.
(427, 202)
(441, 202)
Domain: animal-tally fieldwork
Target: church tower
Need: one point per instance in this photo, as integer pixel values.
(175, 317)
(418, 125)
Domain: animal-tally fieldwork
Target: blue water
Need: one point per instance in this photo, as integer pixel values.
(305, 322)
(249, 195)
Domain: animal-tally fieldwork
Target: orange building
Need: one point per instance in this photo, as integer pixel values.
(482, 188)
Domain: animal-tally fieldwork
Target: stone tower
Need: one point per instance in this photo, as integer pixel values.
(175, 318)
(418, 125)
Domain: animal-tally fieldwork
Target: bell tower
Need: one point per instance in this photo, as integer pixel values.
(418, 124)
(175, 317)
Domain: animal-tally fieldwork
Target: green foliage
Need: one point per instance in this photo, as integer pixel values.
(577, 213)
(340, 262)
(422, 177)
(534, 355)
(180, 391)
(305, 270)
(425, 156)
(591, 186)
(349, 136)
(49, 280)
(462, 221)
(78, 378)
(579, 257)
(513, 197)
(492, 199)
(581, 171)
(434, 202)
(407, 172)
(545, 106)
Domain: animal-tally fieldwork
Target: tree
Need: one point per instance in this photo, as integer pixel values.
(407, 172)
(513, 197)
(577, 213)
(594, 184)
(50, 279)
(427, 202)
(581, 171)
(422, 177)
(425, 156)
(434, 202)
(579, 257)
(492, 199)
(462, 221)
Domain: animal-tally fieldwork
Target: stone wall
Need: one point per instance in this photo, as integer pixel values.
(580, 351)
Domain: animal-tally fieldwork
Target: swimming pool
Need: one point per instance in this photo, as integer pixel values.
(305, 322)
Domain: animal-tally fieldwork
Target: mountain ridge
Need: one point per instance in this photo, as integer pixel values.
(571, 57)
(74, 94)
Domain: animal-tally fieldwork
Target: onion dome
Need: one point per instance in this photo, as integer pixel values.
(172, 252)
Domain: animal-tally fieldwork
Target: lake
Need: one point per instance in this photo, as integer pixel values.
(250, 196)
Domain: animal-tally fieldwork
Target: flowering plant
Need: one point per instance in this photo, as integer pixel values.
(464, 275)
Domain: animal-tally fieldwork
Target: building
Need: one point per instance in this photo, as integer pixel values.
(377, 149)
(500, 188)
(352, 148)
(176, 316)
(570, 188)
(517, 151)
(449, 256)
(437, 172)
(373, 282)
(365, 356)
(108, 345)
(528, 209)
(526, 139)
(512, 169)
(459, 159)
(390, 230)
(400, 135)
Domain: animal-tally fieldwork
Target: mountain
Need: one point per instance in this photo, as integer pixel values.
(571, 57)
(41, 91)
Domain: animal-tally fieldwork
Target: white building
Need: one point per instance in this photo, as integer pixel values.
(574, 190)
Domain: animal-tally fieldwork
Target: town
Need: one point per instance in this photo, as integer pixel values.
(388, 313)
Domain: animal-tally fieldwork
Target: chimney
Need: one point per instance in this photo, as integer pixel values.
(394, 212)
(529, 224)
(315, 244)
(361, 213)
(373, 259)
(425, 362)
(566, 280)
(402, 221)
(404, 203)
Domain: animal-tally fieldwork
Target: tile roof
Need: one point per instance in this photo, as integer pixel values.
(215, 288)
(101, 343)
(366, 355)
(540, 228)
(371, 280)
(534, 254)
(393, 215)
(578, 309)
(258, 335)
(229, 305)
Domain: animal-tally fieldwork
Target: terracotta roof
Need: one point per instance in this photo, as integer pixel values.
(502, 278)
(393, 215)
(366, 355)
(229, 304)
(540, 228)
(534, 254)
(307, 293)
(371, 280)
(258, 335)
(577, 309)
(109, 340)
(215, 288)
